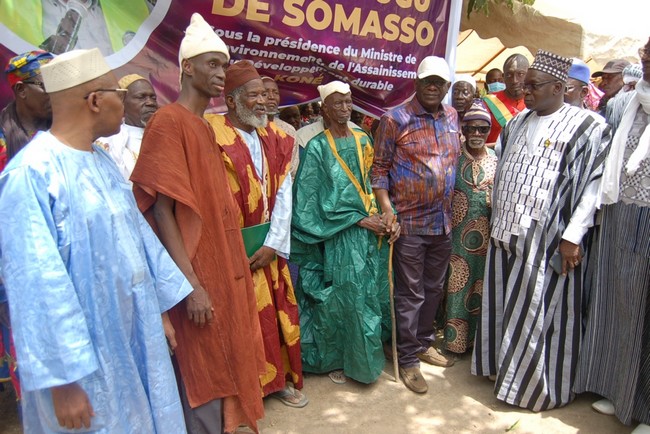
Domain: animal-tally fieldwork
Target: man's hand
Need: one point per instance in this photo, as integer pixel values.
(199, 307)
(260, 259)
(571, 256)
(373, 223)
(72, 406)
(170, 333)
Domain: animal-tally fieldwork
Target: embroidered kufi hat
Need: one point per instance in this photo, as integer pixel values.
(73, 68)
(128, 80)
(552, 64)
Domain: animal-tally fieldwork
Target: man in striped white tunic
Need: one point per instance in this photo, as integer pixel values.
(545, 191)
(615, 355)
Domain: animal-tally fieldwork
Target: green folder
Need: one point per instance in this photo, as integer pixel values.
(254, 237)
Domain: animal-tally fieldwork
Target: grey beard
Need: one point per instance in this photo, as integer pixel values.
(248, 117)
(469, 144)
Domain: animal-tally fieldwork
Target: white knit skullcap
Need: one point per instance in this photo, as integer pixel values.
(199, 39)
(73, 68)
(466, 78)
(326, 90)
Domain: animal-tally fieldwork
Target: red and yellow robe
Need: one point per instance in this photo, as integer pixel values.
(276, 301)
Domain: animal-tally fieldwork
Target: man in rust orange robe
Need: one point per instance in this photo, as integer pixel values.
(257, 155)
(180, 184)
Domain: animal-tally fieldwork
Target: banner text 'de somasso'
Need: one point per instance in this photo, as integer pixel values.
(375, 45)
(320, 15)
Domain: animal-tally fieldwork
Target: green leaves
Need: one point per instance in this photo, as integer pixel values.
(484, 5)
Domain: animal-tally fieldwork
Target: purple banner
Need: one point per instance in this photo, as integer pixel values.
(375, 45)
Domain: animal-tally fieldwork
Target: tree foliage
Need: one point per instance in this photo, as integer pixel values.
(484, 5)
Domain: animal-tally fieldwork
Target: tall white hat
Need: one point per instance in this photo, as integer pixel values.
(199, 39)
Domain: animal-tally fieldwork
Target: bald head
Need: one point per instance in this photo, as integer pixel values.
(514, 72)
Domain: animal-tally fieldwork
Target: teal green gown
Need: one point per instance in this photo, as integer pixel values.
(342, 289)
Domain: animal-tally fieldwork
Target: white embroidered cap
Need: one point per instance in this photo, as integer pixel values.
(73, 68)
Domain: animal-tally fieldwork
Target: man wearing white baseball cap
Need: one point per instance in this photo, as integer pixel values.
(77, 261)
(416, 152)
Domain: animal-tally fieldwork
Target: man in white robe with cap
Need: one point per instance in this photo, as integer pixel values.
(140, 103)
(181, 186)
(341, 246)
(87, 279)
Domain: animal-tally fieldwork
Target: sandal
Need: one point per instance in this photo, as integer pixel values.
(338, 376)
(296, 399)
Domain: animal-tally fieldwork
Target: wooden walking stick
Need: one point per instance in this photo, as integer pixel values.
(391, 294)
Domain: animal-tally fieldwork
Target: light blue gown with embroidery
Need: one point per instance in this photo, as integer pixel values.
(87, 280)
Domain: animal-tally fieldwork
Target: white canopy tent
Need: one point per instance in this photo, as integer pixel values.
(593, 30)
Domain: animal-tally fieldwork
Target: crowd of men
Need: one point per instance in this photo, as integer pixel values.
(167, 269)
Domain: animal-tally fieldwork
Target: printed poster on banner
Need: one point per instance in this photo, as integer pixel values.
(375, 45)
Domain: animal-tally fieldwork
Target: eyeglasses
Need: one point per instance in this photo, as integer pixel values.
(120, 92)
(471, 129)
(36, 83)
(437, 82)
(535, 86)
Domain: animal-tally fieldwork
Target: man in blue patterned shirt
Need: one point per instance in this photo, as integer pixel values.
(416, 151)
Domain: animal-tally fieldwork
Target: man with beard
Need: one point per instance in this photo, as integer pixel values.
(257, 156)
(140, 104)
(416, 153)
(337, 241)
(181, 186)
(472, 205)
(505, 104)
(545, 190)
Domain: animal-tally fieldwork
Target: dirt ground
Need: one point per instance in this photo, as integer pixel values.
(457, 402)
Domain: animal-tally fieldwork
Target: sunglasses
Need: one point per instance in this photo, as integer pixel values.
(470, 129)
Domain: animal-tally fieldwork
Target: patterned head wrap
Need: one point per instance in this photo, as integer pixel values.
(26, 65)
(552, 64)
(477, 112)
